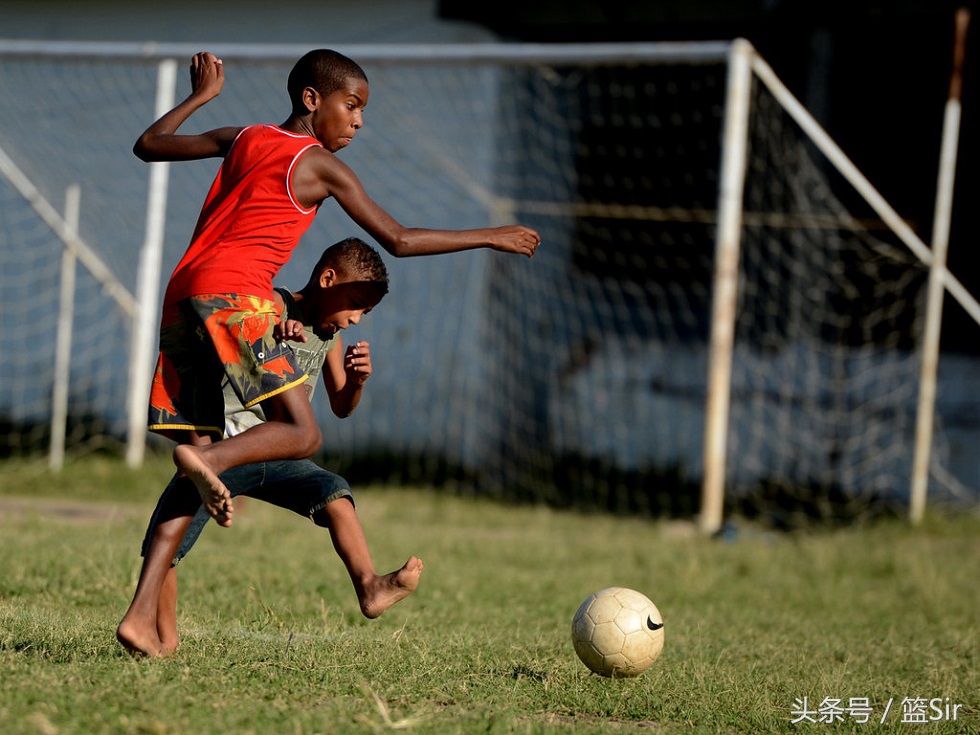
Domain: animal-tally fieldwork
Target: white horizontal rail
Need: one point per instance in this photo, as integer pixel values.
(542, 53)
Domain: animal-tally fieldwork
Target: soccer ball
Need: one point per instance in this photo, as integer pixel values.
(618, 632)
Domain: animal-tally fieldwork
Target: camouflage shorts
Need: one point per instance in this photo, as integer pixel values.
(205, 339)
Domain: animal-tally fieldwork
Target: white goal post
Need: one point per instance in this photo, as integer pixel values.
(704, 313)
(744, 62)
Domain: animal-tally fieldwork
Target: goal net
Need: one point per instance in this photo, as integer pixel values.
(576, 378)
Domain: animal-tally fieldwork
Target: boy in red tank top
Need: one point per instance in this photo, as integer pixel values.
(219, 318)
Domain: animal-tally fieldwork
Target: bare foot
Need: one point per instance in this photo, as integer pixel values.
(169, 647)
(382, 592)
(214, 494)
(137, 641)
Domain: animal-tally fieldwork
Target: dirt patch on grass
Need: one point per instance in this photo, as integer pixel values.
(77, 511)
(611, 724)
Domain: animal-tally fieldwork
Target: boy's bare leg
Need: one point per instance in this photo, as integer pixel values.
(375, 593)
(140, 629)
(289, 432)
(167, 614)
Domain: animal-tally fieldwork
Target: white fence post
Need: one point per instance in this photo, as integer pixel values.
(937, 277)
(725, 290)
(62, 348)
(148, 282)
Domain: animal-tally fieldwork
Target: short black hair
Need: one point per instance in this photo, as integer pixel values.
(354, 260)
(324, 70)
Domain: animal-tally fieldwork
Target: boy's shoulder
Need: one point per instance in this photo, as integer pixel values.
(262, 136)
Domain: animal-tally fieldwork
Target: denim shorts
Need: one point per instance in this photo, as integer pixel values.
(301, 486)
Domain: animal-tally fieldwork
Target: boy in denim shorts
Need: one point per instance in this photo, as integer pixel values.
(219, 312)
(347, 282)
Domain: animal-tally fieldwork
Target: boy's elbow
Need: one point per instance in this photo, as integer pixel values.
(141, 151)
(396, 242)
(150, 148)
(399, 246)
(341, 409)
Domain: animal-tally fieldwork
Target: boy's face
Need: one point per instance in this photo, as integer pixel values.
(337, 304)
(339, 115)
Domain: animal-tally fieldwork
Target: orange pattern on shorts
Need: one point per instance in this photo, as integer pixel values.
(186, 390)
(240, 319)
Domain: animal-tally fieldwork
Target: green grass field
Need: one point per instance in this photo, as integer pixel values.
(272, 641)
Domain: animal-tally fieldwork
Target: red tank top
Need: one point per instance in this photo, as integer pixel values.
(250, 222)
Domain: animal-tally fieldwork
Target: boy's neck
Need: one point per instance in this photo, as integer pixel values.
(299, 125)
(298, 297)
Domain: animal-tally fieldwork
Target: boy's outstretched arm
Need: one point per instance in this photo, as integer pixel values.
(159, 142)
(329, 176)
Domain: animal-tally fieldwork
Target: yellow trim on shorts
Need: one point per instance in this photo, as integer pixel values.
(183, 427)
(277, 391)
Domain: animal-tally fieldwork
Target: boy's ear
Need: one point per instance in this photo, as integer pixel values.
(311, 98)
(328, 277)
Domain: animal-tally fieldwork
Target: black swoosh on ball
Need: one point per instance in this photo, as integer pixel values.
(652, 625)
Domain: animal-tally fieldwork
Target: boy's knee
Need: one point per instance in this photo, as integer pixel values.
(170, 533)
(314, 442)
(309, 441)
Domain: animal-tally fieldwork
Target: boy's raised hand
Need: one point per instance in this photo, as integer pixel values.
(357, 361)
(160, 141)
(207, 74)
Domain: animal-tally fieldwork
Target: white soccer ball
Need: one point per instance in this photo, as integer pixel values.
(618, 632)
